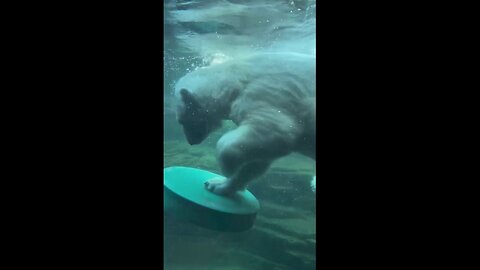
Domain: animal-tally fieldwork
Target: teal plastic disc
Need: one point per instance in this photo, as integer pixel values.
(186, 197)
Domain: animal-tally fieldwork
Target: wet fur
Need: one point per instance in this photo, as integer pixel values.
(271, 97)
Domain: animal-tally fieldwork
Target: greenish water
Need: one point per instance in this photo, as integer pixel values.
(283, 236)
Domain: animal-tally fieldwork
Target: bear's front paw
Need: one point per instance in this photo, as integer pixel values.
(220, 186)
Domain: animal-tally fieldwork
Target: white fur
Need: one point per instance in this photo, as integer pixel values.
(271, 97)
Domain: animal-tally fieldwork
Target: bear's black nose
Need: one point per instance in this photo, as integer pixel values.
(193, 141)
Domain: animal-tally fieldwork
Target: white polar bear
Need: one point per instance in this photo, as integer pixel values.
(270, 97)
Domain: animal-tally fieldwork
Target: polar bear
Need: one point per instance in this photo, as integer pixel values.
(270, 97)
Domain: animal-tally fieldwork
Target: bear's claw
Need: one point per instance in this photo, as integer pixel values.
(219, 186)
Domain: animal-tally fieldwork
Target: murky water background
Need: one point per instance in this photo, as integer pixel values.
(198, 33)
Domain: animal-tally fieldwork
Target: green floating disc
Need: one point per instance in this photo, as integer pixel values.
(186, 197)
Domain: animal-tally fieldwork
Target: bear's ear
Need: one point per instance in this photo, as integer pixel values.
(189, 99)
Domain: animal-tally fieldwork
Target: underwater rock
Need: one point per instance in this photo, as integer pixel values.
(210, 250)
(283, 249)
(282, 238)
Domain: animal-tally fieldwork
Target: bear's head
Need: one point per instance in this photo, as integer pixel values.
(197, 122)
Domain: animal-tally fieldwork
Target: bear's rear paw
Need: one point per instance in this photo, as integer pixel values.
(220, 186)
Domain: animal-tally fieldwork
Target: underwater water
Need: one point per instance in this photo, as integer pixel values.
(205, 32)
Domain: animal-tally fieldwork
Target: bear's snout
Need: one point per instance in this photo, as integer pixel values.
(194, 137)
